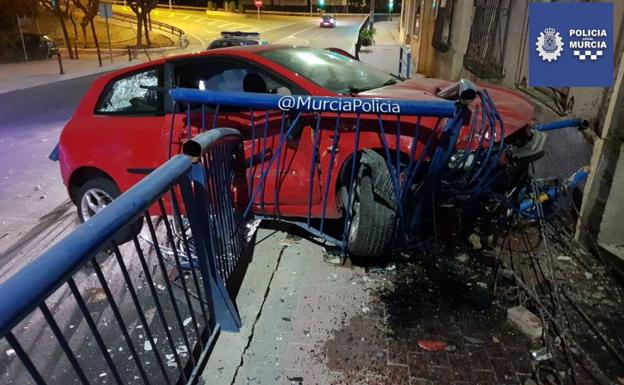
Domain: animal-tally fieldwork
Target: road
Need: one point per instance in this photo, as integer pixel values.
(34, 209)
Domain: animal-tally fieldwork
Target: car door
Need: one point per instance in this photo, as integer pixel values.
(286, 175)
(125, 131)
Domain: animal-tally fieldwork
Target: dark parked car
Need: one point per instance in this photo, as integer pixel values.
(234, 39)
(38, 46)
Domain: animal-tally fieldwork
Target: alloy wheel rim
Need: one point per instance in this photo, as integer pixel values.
(93, 201)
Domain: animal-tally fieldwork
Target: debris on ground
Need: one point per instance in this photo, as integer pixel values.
(525, 321)
(432, 345)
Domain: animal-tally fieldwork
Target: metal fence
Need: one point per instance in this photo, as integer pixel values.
(333, 138)
(152, 23)
(137, 293)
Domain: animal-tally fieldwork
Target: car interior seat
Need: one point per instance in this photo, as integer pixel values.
(254, 83)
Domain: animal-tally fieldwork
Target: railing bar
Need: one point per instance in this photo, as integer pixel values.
(120, 321)
(347, 220)
(189, 131)
(94, 330)
(397, 168)
(63, 342)
(163, 269)
(251, 172)
(264, 140)
(173, 114)
(187, 248)
(154, 293)
(231, 149)
(203, 117)
(214, 117)
(137, 305)
(23, 356)
(315, 145)
(278, 175)
(329, 172)
(394, 176)
(412, 155)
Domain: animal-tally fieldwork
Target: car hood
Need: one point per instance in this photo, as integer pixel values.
(515, 110)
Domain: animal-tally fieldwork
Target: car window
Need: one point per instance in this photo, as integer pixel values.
(132, 94)
(330, 70)
(228, 75)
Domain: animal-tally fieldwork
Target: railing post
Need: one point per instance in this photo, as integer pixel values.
(220, 303)
(60, 62)
(400, 60)
(408, 64)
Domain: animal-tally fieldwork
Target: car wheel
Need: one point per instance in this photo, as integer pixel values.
(95, 195)
(373, 210)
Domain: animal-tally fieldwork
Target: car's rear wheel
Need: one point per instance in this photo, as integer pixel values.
(373, 209)
(93, 196)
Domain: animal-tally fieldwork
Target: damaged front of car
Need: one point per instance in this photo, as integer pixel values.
(479, 169)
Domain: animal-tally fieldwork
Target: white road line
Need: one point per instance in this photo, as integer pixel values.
(186, 17)
(200, 19)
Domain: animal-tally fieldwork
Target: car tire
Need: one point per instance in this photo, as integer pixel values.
(373, 210)
(101, 192)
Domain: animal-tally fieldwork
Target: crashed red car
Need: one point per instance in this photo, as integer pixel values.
(123, 127)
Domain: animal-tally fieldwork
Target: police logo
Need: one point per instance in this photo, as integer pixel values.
(549, 44)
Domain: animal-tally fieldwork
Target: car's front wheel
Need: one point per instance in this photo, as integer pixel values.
(93, 196)
(373, 208)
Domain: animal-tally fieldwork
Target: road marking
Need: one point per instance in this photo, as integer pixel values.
(186, 17)
(200, 19)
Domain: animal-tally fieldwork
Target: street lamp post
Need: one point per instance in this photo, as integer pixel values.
(170, 6)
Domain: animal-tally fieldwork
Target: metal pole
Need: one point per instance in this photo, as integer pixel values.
(310, 7)
(58, 55)
(19, 26)
(110, 44)
(258, 14)
(170, 7)
(372, 14)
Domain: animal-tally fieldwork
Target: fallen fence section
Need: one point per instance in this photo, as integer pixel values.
(415, 139)
(137, 293)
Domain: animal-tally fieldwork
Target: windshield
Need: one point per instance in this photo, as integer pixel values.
(330, 70)
(327, 17)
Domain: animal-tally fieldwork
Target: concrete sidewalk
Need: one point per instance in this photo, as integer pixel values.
(309, 322)
(384, 54)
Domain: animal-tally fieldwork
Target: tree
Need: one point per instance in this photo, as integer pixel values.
(89, 10)
(141, 9)
(57, 8)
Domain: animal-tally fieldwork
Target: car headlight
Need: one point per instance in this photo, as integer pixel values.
(461, 160)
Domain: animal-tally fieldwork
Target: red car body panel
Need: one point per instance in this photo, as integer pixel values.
(115, 144)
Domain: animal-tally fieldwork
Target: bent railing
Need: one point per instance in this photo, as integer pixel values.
(132, 296)
(303, 155)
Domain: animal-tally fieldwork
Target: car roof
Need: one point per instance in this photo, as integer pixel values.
(237, 50)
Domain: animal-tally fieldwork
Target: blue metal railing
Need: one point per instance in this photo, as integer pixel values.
(405, 62)
(159, 298)
(329, 138)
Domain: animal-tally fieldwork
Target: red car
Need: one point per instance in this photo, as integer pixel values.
(123, 127)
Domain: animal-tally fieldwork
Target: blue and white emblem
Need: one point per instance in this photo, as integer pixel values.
(549, 44)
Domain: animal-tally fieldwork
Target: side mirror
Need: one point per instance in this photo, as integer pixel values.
(464, 91)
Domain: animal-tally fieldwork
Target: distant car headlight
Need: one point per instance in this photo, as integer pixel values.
(322, 20)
